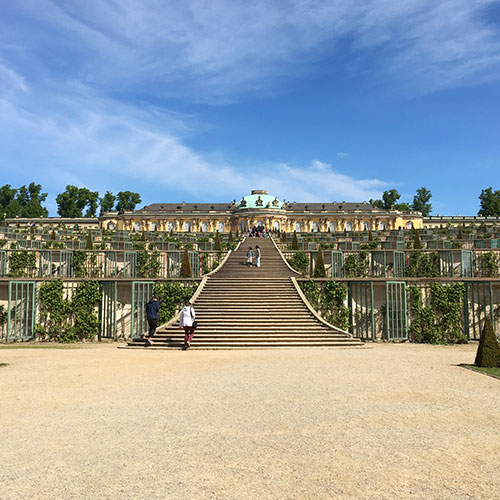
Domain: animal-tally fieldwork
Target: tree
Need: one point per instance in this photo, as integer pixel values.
(217, 243)
(107, 202)
(186, 271)
(127, 200)
(319, 268)
(402, 207)
(490, 203)
(7, 198)
(488, 350)
(388, 200)
(421, 201)
(377, 204)
(30, 199)
(295, 241)
(72, 202)
(89, 245)
(417, 244)
(90, 198)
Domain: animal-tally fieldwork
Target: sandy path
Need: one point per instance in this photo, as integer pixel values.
(393, 421)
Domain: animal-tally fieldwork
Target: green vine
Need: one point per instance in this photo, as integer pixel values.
(356, 265)
(329, 300)
(64, 320)
(171, 296)
(79, 259)
(423, 265)
(487, 264)
(441, 322)
(300, 262)
(148, 264)
(22, 263)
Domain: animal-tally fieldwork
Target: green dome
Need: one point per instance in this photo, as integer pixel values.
(259, 199)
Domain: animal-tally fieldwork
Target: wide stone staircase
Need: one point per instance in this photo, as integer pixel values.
(249, 307)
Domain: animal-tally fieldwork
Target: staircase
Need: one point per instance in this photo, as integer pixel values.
(250, 307)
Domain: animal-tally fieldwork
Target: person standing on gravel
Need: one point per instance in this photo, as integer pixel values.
(257, 255)
(249, 257)
(152, 310)
(187, 321)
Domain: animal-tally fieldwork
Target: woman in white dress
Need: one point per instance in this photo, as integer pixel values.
(257, 255)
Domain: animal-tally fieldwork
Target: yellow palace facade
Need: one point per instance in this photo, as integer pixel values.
(260, 209)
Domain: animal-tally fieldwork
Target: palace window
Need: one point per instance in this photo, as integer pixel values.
(137, 226)
(243, 226)
(382, 226)
(170, 226)
(314, 228)
(332, 227)
(110, 226)
(154, 226)
(276, 226)
(298, 227)
(220, 227)
(204, 227)
(348, 226)
(366, 226)
(187, 227)
(409, 225)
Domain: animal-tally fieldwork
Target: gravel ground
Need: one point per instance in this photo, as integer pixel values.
(392, 421)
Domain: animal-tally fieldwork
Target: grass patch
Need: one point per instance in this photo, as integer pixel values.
(4, 364)
(492, 372)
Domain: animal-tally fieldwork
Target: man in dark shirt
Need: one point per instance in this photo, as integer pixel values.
(152, 308)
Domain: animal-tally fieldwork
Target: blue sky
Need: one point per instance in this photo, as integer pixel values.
(203, 100)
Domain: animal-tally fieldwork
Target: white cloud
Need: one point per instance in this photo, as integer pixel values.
(342, 155)
(107, 145)
(219, 48)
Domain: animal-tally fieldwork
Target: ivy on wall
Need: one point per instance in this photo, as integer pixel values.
(328, 299)
(65, 320)
(172, 295)
(356, 265)
(487, 264)
(300, 262)
(423, 265)
(148, 264)
(440, 322)
(22, 263)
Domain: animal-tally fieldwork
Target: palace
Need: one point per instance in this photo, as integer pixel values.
(256, 209)
(260, 209)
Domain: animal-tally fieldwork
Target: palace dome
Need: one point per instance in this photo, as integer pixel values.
(259, 199)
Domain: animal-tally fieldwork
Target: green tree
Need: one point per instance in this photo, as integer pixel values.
(91, 202)
(89, 245)
(421, 201)
(31, 198)
(217, 242)
(319, 268)
(73, 201)
(488, 350)
(107, 202)
(402, 207)
(295, 241)
(7, 199)
(186, 271)
(388, 201)
(490, 203)
(12, 209)
(417, 244)
(127, 200)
